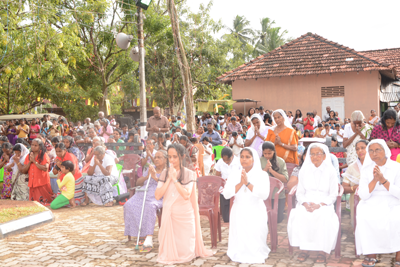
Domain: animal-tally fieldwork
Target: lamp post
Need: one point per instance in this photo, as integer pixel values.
(123, 42)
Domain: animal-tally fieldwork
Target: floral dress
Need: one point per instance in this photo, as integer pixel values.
(7, 185)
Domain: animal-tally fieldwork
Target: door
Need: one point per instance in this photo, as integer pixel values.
(336, 104)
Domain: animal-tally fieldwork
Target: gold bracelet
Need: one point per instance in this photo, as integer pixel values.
(352, 188)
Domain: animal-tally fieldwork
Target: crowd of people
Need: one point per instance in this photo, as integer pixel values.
(252, 149)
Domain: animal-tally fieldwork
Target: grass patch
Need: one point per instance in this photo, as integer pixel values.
(10, 214)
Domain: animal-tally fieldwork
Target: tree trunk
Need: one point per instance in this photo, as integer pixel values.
(183, 66)
(102, 101)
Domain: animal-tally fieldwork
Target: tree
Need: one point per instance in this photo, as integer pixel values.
(241, 29)
(183, 66)
(269, 38)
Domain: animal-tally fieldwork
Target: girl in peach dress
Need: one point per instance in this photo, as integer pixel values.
(180, 233)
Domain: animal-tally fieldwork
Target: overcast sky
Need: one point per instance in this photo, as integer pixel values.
(361, 25)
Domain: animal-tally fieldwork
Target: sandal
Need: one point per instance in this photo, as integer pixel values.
(321, 259)
(373, 260)
(302, 257)
(146, 249)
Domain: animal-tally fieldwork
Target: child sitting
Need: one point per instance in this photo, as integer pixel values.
(67, 187)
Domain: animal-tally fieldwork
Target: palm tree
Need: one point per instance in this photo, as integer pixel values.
(241, 29)
(269, 38)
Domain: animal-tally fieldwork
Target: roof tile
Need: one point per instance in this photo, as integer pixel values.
(313, 54)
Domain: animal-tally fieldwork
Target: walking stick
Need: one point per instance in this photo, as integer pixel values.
(141, 216)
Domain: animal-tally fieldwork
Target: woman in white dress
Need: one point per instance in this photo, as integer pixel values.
(378, 213)
(256, 134)
(207, 157)
(248, 219)
(313, 224)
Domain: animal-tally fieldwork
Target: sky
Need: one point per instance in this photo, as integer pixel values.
(361, 25)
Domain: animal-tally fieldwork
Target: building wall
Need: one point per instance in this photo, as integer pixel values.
(304, 92)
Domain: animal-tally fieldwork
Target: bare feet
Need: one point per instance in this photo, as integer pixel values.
(109, 204)
(86, 202)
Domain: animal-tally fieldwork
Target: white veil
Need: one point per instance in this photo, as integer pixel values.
(257, 143)
(24, 153)
(369, 164)
(285, 117)
(308, 167)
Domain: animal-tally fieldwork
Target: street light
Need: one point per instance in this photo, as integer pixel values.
(123, 41)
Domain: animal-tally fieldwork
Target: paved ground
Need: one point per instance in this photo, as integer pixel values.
(94, 236)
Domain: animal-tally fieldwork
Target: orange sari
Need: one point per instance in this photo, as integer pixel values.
(180, 236)
(200, 158)
(288, 137)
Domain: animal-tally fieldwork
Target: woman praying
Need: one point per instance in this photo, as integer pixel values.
(298, 121)
(378, 213)
(276, 167)
(389, 130)
(36, 165)
(284, 137)
(102, 175)
(69, 143)
(248, 229)
(353, 132)
(63, 155)
(313, 224)
(351, 178)
(180, 236)
(20, 189)
(256, 134)
(133, 207)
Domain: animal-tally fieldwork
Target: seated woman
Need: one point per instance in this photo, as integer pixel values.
(248, 229)
(306, 134)
(276, 167)
(69, 143)
(102, 175)
(37, 166)
(284, 137)
(20, 190)
(339, 155)
(351, 178)
(378, 213)
(8, 173)
(64, 155)
(133, 207)
(256, 134)
(180, 233)
(313, 224)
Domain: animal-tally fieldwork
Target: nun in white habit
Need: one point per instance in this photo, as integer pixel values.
(378, 213)
(256, 134)
(248, 229)
(313, 224)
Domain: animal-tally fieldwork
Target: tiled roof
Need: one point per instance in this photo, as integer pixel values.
(390, 56)
(308, 54)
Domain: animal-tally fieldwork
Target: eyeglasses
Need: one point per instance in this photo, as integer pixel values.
(376, 151)
(316, 155)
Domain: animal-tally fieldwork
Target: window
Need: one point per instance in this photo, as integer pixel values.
(332, 91)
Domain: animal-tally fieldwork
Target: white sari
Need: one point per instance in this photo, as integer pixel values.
(257, 142)
(248, 229)
(317, 230)
(378, 213)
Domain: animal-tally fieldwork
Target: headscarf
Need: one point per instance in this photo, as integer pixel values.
(256, 169)
(257, 143)
(308, 167)
(24, 153)
(369, 164)
(286, 119)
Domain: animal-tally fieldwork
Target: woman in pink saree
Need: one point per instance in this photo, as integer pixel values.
(180, 233)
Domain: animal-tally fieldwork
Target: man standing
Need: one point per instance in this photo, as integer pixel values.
(317, 119)
(157, 123)
(101, 116)
(213, 136)
(326, 116)
(46, 122)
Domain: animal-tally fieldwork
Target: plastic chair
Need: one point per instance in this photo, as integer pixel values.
(129, 169)
(290, 167)
(119, 168)
(217, 152)
(272, 211)
(208, 199)
(291, 201)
